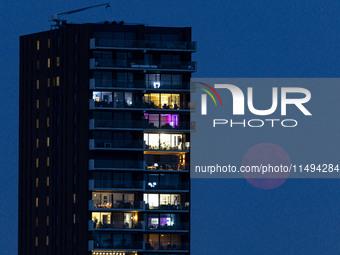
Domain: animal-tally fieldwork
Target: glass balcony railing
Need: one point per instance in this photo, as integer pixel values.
(165, 165)
(143, 44)
(176, 226)
(167, 147)
(141, 64)
(114, 224)
(143, 84)
(111, 244)
(117, 204)
(112, 184)
(151, 185)
(106, 163)
(141, 124)
(166, 245)
(113, 144)
(168, 207)
(139, 104)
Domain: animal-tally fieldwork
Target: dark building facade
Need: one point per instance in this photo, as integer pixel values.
(105, 140)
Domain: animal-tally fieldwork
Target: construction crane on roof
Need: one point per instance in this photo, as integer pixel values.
(57, 18)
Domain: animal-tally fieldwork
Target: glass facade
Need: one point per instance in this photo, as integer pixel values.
(140, 141)
(109, 142)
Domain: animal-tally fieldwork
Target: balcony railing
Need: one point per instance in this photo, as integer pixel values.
(117, 204)
(114, 224)
(164, 165)
(138, 104)
(110, 244)
(166, 245)
(141, 65)
(114, 184)
(150, 185)
(142, 84)
(169, 207)
(112, 164)
(115, 144)
(176, 226)
(138, 124)
(167, 147)
(142, 44)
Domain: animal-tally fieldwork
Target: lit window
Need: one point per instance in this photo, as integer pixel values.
(48, 142)
(74, 218)
(47, 241)
(106, 97)
(48, 43)
(37, 123)
(48, 201)
(152, 200)
(48, 161)
(165, 101)
(48, 121)
(167, 121)
(48, 181)
(58, 61)
(36, 162)
(165, 142)
(37, 143)
(38, 45)
(74, 198)
(47, 221)
(36, 202)
(48, 102)
(48, 63)
(57, 81)
(37, 103)
(48, 82)
(37, 84)
(36, 182)
(36, 241)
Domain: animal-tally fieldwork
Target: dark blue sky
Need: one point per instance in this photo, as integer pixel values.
(235, 39)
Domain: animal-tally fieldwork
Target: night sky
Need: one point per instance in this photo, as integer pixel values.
(298, 38)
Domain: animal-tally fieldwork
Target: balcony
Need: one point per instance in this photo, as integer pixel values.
(175, 246)
(121, 225)
(137, 105)
(178, 186)
(115, 205)
(166, 147)
(116, 185)
(166, 142)
(104, 164)
(101, 144)
(121, 245)
(103, 43)
(167, 165)
(168, 207)
(112, 252)
(138, 84)
(112, 64)
(179, 226)
(137, 124)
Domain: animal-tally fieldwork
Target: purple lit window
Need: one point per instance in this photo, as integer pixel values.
(163, 120)
(169, 119)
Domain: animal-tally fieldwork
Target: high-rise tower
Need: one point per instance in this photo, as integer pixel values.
(105, 140)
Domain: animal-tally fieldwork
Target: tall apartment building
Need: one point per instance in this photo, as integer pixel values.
(105, 140)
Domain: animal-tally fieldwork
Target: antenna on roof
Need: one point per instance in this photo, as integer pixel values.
(58, 18)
